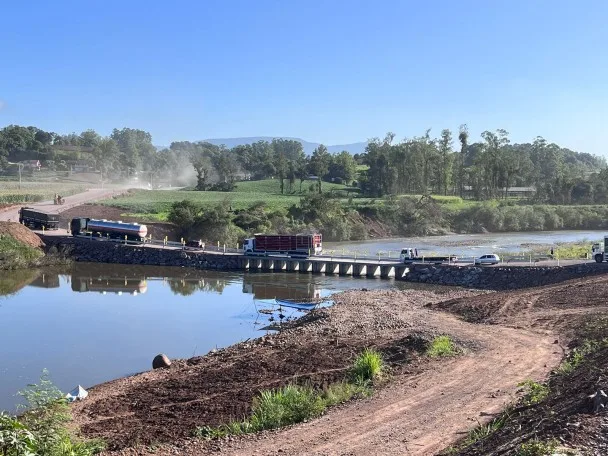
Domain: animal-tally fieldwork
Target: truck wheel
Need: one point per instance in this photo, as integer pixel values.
(599, 258)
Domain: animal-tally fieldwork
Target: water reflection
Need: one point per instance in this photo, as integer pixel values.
(135, 280)
(94, 322)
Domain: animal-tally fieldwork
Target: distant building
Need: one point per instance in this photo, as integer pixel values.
(512, 192)
(81, 166)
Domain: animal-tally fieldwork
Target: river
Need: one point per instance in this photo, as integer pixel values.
(469, 245)
(98, 322)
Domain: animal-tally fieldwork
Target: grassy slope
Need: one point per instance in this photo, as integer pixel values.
(15, 255)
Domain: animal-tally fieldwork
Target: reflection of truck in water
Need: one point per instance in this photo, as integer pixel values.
(109, 285)
(37, 220)
(411, 256)
(279, 287)
(300, 245)
(45, 280)
(82, 226)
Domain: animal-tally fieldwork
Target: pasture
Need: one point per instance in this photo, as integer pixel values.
(155, 204)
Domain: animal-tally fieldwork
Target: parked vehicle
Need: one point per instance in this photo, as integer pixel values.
(196, 244)
(488, 259)
(599, 251)
(301, 245)
(409, 255)
(107, 228)
(38, 220)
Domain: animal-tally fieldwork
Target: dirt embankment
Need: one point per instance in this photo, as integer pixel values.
(577, 312)
(21, 234)
(423, 409)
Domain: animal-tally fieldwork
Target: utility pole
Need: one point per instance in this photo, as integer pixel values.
(20, 166)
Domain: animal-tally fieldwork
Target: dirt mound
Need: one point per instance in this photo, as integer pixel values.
(517, 307)
(21, 234)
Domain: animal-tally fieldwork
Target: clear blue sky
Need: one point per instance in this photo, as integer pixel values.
(331, 71)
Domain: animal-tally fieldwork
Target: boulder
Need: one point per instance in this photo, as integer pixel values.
(160, 361)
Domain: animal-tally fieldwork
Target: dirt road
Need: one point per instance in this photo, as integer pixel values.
(94, 194)
(424, 414)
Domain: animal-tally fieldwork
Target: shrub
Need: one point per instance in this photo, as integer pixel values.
(42, 430)
(536, 448)
(367, 367)
(288, 405)
(441, 346)
(534, 392)
(15, 438)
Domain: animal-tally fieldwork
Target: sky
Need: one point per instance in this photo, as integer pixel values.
(333, 71)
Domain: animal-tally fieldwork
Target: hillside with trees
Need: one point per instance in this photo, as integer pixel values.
(450, 164)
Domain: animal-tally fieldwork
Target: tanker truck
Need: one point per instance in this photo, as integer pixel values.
(82, 226)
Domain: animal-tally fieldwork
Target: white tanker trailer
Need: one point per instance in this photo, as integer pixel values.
(82, 226)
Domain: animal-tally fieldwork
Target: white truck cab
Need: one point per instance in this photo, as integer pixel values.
(407, 254)
(599, 251)
(248, 245)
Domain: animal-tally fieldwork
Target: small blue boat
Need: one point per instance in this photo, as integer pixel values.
(306, 305)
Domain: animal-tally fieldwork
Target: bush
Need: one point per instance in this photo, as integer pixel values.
(15, 438)
(222, 187)
(441, 346)
(534, 392)
(288, 405)
(42, 430)
(367, 367)
(536, 448)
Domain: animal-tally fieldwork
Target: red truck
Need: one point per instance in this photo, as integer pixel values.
(283, 244)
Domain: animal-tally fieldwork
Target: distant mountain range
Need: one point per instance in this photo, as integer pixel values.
(309, 147)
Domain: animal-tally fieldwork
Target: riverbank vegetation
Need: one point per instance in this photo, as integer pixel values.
(43, 427)
(17, 255)
(227, 218)
(20, 248)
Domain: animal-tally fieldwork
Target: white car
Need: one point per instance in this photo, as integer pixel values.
(488, 259)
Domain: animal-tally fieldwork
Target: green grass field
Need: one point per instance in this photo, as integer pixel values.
(154, 205)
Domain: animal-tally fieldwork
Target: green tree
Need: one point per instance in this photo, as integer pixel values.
(445, 155)
(319, 163)
(343, 166)
(463, 138)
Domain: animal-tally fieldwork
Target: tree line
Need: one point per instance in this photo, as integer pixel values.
(482, 170)
(451, 164)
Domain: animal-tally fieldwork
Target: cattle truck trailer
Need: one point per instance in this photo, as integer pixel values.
(301, 245)
(38, 220)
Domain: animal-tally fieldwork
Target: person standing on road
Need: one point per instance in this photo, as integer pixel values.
(551, 252)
